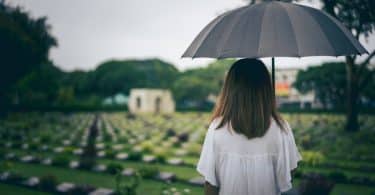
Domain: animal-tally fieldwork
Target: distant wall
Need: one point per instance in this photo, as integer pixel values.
(151, 101)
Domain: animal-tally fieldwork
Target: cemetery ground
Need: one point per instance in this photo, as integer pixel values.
(109, 153)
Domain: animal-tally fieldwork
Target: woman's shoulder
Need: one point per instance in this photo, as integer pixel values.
(215, 122)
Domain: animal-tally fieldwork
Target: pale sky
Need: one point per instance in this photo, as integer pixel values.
(92, 31)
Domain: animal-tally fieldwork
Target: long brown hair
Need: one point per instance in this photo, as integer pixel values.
(247, 100)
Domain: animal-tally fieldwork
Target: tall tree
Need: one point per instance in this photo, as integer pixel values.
(359, 17)
(25, 44)
(328, 81)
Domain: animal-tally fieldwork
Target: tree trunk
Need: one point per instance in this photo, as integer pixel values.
(352, 97)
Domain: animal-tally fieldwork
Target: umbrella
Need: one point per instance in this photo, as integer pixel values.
(274, 29)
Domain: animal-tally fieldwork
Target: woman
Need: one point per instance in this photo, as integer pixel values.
(248, 149)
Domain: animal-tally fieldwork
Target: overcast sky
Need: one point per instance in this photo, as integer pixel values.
(92, 31)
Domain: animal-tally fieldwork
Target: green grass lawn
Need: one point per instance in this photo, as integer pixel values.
(147, 186)
(16, 190)
(99, 180)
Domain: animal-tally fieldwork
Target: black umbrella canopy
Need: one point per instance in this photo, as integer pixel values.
(272, 29)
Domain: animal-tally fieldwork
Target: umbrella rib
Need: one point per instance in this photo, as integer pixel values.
(214, 23)
(215, 26)
(293, 30)
(318, 27)
(230, 32)
(260, 30)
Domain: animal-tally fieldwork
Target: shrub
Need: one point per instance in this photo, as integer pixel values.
(136, 156)
(45, 138)
(148, 172)
(16, 145)
(161, 156)
(114, 168)
(15, 178)
(5, 165)
(312, 158)
(48, 182)
(128, 187)
(146, 146)
(313, 184)
(68, 150)
(62, 161)
(34, 146)
(170, 132)
(338, 177)
(110, 153)
(107, 138)
(82, 189)
(306, 142)
(194, 149)
(183, 137)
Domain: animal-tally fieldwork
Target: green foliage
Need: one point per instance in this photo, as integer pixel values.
(128, 187)
(33, 88)
(114, 168)
(358, 16)
(328, 81)
(5, 166)
(338, 176)
(48, 182)
(115, 76)
(25, 44)
(312, 158)
(315, 184)
(133, 155)
(61, 161)
(196, 84)
(148, 172)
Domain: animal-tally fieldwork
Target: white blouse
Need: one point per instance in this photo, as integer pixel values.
(239, 166)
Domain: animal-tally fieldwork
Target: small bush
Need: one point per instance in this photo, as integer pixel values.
(148, 172)
(136, 156)
(194, 149)
(161, 156)
(62, 161)
(183, 137)
(48, 183)
(146, 146)
(34, 146)
(127, 186)
(68, 150)
(110, 153)
(114, 168)
(313, 184)
(313, 158)
(82, 189)
(170, 132)
(337, 176)
(15, 178)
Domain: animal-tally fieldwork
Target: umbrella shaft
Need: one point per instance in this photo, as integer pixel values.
(273, 75)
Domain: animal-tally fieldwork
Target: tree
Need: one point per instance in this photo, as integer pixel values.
(33, 89)
(359, 17)
(196, 84)
(116, 76)
(25, 44)
(328, 81)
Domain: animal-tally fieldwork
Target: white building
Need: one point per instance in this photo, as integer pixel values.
(287, 95)
(145, 100)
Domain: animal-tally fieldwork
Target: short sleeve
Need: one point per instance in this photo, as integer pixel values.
(287, 159)
(206, 164)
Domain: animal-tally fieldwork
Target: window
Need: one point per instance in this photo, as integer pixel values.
(138, 99)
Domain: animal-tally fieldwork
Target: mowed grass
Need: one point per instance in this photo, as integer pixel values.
(182, 172)
(96, 179)
(148, 186)
(16, 190)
